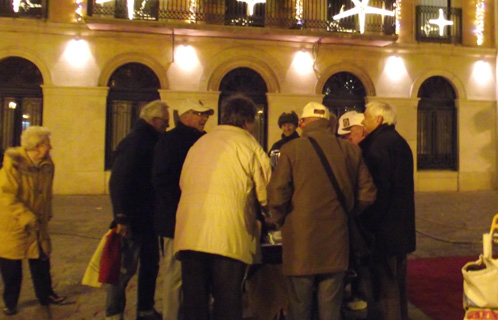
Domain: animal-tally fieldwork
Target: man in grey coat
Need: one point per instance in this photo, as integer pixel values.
(314, 226)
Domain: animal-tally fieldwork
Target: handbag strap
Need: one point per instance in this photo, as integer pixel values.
(330, 174)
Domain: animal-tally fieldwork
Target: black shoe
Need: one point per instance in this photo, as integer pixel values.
(9, 312)
(152, 316)
(55, 299)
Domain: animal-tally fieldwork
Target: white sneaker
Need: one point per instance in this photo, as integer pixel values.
(356, 304)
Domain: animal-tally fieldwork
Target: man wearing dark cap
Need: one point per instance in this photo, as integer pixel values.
(288, 123)
(169, 155)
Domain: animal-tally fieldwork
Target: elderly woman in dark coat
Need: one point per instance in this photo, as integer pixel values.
(25, 209)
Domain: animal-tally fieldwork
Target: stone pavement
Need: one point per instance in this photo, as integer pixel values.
(448, 224)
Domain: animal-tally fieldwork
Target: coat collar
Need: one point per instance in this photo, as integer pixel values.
(294, 135)
(320, 124)
(21, 159)
(180, 126)
(142, 126)
(377, 132)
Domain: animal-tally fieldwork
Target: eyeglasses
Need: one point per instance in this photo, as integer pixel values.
(201, 114)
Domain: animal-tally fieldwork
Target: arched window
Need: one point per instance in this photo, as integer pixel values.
(21, 99)
(250, 83)
(132, 86)
(436, 125)
(344, 92)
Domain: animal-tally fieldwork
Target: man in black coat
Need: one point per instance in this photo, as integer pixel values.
(392, 217)
(132, 196)
(169, 155)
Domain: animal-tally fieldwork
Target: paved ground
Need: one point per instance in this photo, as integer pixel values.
(448, 224)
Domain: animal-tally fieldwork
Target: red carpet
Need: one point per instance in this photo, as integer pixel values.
(435, 286)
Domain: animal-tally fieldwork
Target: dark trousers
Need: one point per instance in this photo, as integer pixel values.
(12, 277)
(140, 249)
(389, 287)
(204, 274)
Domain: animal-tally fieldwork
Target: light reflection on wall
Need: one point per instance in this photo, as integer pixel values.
(482, 73)
(186, 57)
(303, 63)
(395, 68)
(77, 53)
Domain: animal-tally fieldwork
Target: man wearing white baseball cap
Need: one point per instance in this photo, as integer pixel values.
(304, 202)
(351, 127)
(169, 154)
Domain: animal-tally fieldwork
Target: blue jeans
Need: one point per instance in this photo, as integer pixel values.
(143, 248)
(328, 289)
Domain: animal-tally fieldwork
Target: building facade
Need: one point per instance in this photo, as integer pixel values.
(84, 68)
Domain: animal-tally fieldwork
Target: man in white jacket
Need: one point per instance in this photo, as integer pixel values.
(217, 233)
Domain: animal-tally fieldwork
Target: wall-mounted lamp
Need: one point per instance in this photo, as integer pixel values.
(303, 62)
(395, 68)
(482, 73)
(77, 52)
(186, 57)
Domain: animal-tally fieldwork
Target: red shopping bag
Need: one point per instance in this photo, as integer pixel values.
(110, 263)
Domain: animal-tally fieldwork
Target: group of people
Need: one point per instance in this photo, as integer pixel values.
(372, 165)
(203, 196)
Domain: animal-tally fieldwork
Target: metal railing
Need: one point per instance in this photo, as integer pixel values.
(286, 14)
(431, 32)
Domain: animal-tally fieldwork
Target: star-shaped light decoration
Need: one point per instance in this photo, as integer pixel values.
(361, 9)
(251, 4)
(441, 22)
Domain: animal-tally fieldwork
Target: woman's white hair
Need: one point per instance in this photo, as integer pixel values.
(154, 109)
(33, 136)
(383, 109)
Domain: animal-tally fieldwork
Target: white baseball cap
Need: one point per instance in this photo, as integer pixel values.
(349, 119)
(315, 110)
(196, 105)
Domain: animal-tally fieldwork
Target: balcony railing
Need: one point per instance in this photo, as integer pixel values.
(431, 32)
(287, 14)
(24, 8)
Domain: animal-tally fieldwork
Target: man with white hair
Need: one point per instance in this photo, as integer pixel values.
(132, 197)
(169, 155)
(392, 217)
(304, 202)
(351, 127)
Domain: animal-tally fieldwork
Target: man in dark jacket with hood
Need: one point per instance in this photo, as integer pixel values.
(132, 197)
(169, 155)
(392, 217)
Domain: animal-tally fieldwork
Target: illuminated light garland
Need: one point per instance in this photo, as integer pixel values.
(441, 22)
(193, 12)
(251, 4)
(299, 12)
(480, 7)
(398, 15)
(78, 14)
(361, 9)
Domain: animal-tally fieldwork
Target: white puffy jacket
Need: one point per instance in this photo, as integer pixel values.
(225, 173)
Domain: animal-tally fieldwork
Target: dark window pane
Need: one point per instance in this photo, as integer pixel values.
(436, 126)
(21, 99)
(132, 86)
(344, 92)
(250, 83)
